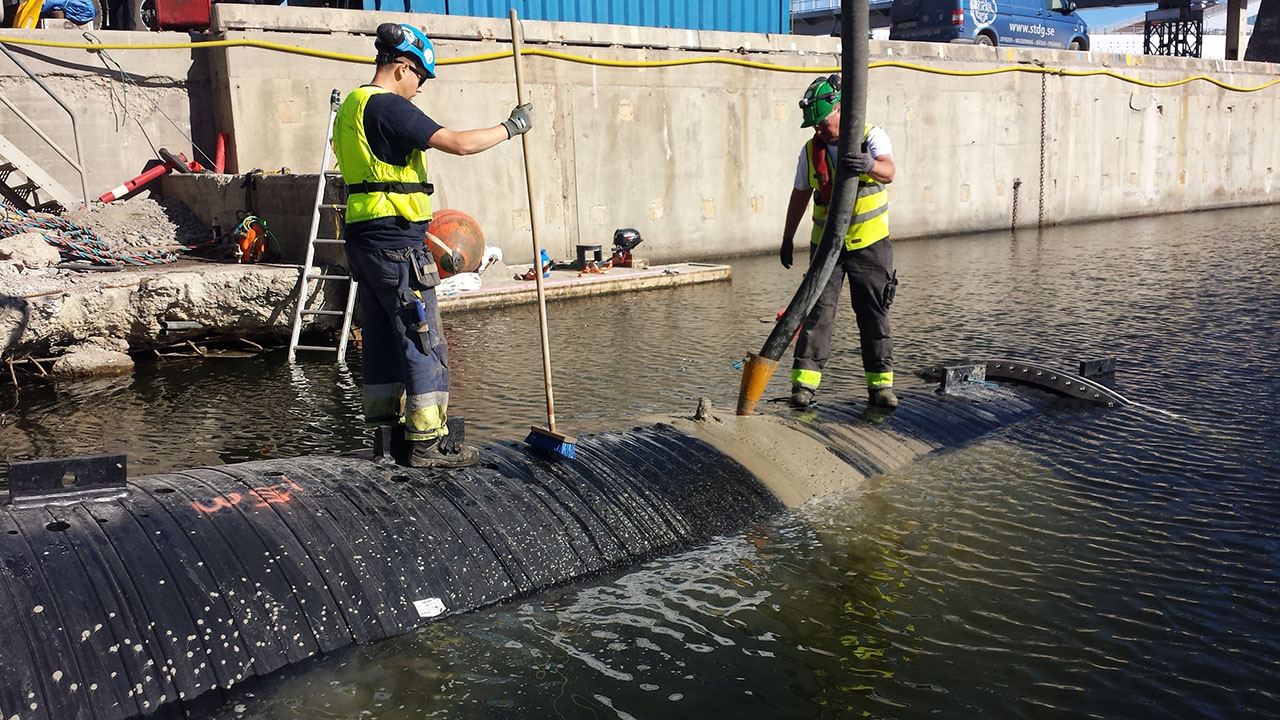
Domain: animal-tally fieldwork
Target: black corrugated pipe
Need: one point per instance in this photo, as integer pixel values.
(1264, 43)
(155, 597)
(757, 369)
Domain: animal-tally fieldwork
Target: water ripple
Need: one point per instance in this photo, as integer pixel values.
(1105, 564)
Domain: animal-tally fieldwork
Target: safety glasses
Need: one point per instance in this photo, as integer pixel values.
(831, 95)
(422, 76)
(809, 98)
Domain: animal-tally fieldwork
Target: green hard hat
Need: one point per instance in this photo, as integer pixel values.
(820, 99)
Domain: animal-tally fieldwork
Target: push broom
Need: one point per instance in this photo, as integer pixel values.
(542, 438)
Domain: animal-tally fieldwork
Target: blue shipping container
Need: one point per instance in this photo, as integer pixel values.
(759, 16)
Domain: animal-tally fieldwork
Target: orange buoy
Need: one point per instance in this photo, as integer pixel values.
(460, 232)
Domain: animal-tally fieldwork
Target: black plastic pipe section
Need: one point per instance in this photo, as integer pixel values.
(157, 603)
(1264, 43)
(854, 31)
(201, 579)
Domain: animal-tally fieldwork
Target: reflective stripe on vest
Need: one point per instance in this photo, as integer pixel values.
(870, 222)
(359, 165)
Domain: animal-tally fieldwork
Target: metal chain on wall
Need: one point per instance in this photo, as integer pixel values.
(1044, 111)
(1013, 224)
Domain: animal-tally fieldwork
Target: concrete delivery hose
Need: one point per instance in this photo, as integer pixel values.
(757, 369)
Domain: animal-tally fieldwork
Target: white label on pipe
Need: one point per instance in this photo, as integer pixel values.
(429, 607)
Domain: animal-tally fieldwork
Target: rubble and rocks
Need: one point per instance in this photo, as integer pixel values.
(96, 317)
(17, 283)
(143, 223)
(138, 305)
(130, 226)
(94, 356)
(28, 251)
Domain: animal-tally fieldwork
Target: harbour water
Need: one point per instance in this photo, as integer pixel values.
(1113, 563)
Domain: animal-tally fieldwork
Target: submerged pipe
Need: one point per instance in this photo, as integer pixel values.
(155, 597)
(757, 369)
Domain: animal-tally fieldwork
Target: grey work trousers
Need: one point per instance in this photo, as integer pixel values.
(872, 283)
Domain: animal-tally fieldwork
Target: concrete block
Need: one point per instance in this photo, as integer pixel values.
(30, 250)
(283, 201)
(94, 356)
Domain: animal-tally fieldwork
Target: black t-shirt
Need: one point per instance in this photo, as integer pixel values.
(395, 127)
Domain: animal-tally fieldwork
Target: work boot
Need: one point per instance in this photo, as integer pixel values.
(431, 453)
(882, 397)
(801, 397)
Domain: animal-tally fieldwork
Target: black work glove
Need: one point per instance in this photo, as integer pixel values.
(860, 163)
(520, 120)
(785, 253)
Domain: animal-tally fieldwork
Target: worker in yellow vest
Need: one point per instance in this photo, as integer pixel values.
(380, 139)
(867, 256)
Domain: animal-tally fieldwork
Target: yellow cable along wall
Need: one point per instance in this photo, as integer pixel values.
(344, 57)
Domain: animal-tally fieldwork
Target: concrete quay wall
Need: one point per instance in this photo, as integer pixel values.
(127, 103)
(698, 158)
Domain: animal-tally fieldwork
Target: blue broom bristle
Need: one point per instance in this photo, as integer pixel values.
(550, 444)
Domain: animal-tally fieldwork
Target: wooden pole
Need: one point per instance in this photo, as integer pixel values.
(533, 229)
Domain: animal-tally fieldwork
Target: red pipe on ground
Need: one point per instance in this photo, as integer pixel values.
(131, 185)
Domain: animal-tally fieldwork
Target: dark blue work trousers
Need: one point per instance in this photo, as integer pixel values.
(406, 358)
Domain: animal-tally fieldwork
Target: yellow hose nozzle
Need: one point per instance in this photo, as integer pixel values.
(756, 372)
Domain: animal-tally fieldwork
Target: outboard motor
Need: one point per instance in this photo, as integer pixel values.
(624, 241)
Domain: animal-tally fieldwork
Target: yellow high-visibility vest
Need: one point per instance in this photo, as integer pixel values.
(870, 221)
(377, 189)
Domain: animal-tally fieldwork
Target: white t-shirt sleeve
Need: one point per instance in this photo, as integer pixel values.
(802, 171)
(878, 145)
(878, 142)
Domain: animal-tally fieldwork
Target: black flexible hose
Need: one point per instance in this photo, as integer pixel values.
(854, 29)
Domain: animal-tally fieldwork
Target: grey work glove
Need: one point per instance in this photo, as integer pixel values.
(861, 163)
(785, 253)
(520, 121)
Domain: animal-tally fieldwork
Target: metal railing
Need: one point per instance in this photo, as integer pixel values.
(78, 163)
(832, 7)
(804, 6)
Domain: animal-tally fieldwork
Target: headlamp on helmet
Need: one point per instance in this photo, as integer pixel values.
(397, 40)
(820, 99)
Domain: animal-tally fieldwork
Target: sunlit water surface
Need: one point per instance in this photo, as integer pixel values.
(1112, 563)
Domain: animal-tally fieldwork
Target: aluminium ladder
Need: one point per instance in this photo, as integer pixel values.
(310, 272)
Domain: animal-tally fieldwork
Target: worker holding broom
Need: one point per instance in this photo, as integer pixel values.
(380, 138)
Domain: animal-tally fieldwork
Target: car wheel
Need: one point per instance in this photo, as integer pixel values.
(1076, 45)
(985, 40)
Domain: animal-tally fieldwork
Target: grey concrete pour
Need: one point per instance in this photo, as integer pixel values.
(132, 304)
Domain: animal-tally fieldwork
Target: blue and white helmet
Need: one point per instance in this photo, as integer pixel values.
(404, 40)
